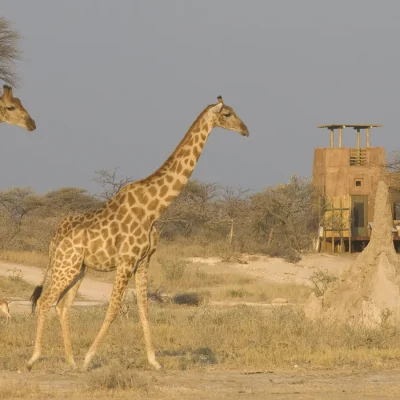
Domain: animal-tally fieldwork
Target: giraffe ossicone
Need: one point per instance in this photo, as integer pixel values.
(121, 236)
(13, 112)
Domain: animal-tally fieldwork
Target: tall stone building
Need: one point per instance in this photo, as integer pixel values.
(346, 179)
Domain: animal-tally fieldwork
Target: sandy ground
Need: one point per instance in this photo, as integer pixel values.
(217, 384)
(277, 270)
(212, 384)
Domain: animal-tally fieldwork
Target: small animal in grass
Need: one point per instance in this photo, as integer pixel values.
(4, 307)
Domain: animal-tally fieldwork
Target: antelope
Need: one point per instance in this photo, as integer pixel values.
(124, 311)
(5, 309)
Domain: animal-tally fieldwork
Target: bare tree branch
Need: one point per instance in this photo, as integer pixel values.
(9, 52)
(109, 181)
(393, 167)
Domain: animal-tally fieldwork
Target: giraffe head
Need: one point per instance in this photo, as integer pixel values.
(225, 117)
(13, 112)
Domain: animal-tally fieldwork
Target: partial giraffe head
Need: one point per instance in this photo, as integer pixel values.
(13, 112)
(225, 117)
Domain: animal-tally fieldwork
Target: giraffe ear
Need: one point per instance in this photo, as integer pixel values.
(7, 92)
(217, 108)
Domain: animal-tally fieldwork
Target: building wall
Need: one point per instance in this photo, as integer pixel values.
(332, 171)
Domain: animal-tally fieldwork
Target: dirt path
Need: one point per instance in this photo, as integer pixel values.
(221, 385)
(280, 385)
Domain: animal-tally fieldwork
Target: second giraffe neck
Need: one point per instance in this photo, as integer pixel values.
(3, 114)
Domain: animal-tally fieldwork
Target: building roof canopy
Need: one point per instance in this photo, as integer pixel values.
(354, 126)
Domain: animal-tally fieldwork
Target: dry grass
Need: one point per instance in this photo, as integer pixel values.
(112, 381)
(115, 377)
(25, 257)
(175, 276)
(13, 391)
(189, 338)
(185, 249)
(263, 292)
(14, 286)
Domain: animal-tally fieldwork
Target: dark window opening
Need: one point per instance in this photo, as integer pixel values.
(358, 215)
(358, 182)
(396, 211)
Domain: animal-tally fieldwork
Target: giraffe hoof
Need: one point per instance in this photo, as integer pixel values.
(156, 365)
(73, 366)
(85, 367)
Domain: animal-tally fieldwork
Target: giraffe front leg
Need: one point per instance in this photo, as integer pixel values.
(141, 294)
(59, 282)
(121, 281)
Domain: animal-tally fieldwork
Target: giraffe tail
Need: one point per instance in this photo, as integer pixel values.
(35, 297)
(37, 292)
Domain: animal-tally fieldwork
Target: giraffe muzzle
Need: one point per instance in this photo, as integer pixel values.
(243, 129)
(31, 125)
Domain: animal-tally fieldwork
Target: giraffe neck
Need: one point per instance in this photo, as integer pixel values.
(160, 189)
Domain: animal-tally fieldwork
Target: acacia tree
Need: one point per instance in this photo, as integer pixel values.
(15, 206)
(9, 52)
(28, 221)
(286, 215)
(67, 200)
(233, 211)
(190, 211)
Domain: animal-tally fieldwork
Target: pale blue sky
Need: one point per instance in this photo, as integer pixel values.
(117, 83)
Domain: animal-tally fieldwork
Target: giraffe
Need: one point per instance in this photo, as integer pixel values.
(121, 236)
(13, 112)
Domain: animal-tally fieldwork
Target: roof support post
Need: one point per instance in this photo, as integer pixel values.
(366, 137)
(340, 137)
(358, 139)
(332, 138)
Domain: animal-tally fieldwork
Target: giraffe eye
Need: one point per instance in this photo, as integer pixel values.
(11, 108)
(227, 115)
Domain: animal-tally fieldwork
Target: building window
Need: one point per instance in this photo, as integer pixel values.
(358, 157)
(358, 182)
(358, 215)
(396, 211)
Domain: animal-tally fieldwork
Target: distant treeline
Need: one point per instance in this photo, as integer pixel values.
(279, 221)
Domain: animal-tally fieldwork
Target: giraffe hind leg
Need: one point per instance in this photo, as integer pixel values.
(63, 308)
(76, 279)
(60, 280)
